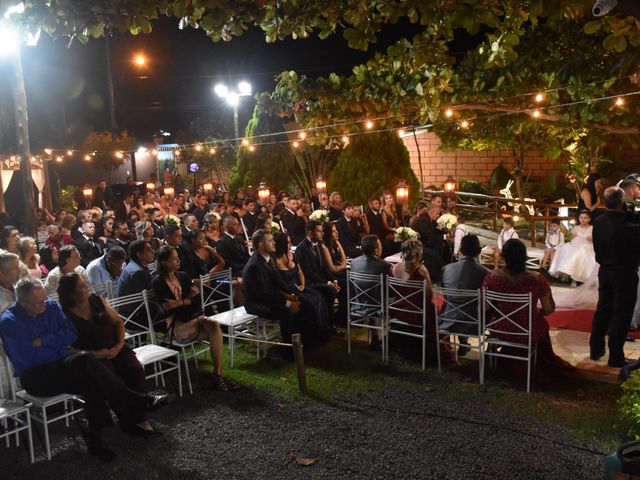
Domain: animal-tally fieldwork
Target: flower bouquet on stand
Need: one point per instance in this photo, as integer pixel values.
(321, 216)
(402, 234)
(172, 220)
(275, 228)
(447, 223)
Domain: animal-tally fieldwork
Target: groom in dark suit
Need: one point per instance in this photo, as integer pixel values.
(264, 290)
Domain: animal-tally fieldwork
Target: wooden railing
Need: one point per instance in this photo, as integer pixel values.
(494, 206)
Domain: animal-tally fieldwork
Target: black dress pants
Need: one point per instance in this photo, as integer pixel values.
(83, 374)
(617, 292)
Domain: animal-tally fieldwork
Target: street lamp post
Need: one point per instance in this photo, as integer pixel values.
(233, 98)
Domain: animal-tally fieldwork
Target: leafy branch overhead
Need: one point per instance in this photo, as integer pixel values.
(518, 47)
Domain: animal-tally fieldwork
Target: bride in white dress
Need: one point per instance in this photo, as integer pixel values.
(576, 259)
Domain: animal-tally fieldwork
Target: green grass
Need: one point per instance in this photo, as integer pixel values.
(587, 409)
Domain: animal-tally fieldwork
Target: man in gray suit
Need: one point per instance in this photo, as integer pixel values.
(465, 274)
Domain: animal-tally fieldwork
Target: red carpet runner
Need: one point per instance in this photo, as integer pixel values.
(578, 320)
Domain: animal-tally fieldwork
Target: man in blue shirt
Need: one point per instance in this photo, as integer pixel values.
(37, 337)
(108, 267)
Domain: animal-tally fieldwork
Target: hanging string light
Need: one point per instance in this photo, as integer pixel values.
(302, 135)
(619, 102)
(87, 158)
(245, 142)
(345, 139)
(58, 159)
(48, 151)
(69, 153)
(369, 124)
(539, 98)
(295, 144)
(535, 114)
(198, 148)
(464, 124)
(252, 148)
(212, 151)
(448, 113)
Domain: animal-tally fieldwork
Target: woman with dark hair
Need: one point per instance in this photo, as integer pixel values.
(313, 318)
(107, 229)
(590, 195)
(514, 278)
(68, 262)
(206, 259)
(9, 236)
(48, 257)
(144, 231)
(334, 257)
(101, 333)
(264, 222)
(178, 295)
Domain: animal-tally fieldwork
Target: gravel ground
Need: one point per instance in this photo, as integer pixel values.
(249, 435)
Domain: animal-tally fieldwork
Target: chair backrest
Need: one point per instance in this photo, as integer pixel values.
(461, 309)
(501, 314)
(216, 290)
(365, 292)
(6, 375)
(139, 309)
(105, 290)
(407, 298)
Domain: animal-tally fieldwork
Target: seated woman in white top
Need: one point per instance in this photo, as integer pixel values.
(576, 259)
(68, 261)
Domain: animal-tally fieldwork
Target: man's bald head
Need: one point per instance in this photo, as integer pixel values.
(613, 198)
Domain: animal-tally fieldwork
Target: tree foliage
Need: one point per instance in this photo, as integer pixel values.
(109, 152)
(371, 164)
(271, 161)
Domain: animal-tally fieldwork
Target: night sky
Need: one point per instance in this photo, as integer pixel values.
(67, 88)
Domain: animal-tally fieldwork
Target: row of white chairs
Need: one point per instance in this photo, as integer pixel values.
(379, 303)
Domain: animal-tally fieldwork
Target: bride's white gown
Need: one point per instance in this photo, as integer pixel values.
(576, 258)
(584, 297)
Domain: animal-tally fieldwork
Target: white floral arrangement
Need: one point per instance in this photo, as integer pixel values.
(447, 221)
(402, 234)
(172, 220)
(275, 228)
(321, 216)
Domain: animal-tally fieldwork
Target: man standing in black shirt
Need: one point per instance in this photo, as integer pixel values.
(616, 243)
(374, 219)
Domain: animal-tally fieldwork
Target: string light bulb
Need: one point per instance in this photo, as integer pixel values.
(87, 158)
(48, 151)
(302, 135)
(448, 113)
(619, 102)
(539, 98)
(198, 148)
(140, 60)
(176, 153)
(119, 155)
(369, 124)
(464, 124)
(69, 153)
(252, 148)
(154, 151)
(245, 142)
(295, 144)
(58, 159)
(400, 132)
(345, 139)
(212, 151)
(536, 114)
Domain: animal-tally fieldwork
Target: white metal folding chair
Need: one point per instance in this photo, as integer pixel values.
(461, 310)
(216, 292)
(365, 308)
(407, 298)
(105, 290)
(498, 320)
(40, 406)
(14, 416)
(163, 359)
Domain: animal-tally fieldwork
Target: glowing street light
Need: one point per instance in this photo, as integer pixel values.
(263, 193)
(140, 60)
(233, 99)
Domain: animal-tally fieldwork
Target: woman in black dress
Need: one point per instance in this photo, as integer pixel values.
(313, 319)
(177, 294)
(590, 196)
(101, 333)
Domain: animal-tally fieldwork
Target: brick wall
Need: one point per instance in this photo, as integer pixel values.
(437, 165)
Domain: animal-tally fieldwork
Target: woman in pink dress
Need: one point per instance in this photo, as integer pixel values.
(515, 279)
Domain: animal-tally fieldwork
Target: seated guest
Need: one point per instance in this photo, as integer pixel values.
(265, 293)
(202, 257)
(124, 206)
(515, 278)
(292, 222)
(105, 230)
(432, 239)
(56, 239)
(322, 203)
(411, 268)
(108, 267)
(250, 217)
(48, 258)
(465, 274)
(9, 275)
(29, 260)
(173, 238)
(9, 237)
(370, 261)
(232, 248)
(335, 206)
(348, 231)
(36, 337)
(88, 248)
(313, 319)
(211, 228)
(135, 276)
(178, 295)
(144, 231)
(120, 237)
(264, 222)
(68, 262)
(189, 222)
(334, 257)
(101, 333)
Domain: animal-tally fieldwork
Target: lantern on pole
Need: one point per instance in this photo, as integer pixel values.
(402, 192)
(450, 186)
(207, 186)
(87, 192)
(321, 185)
(168, 190)
(263, 193)
(151, 186)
